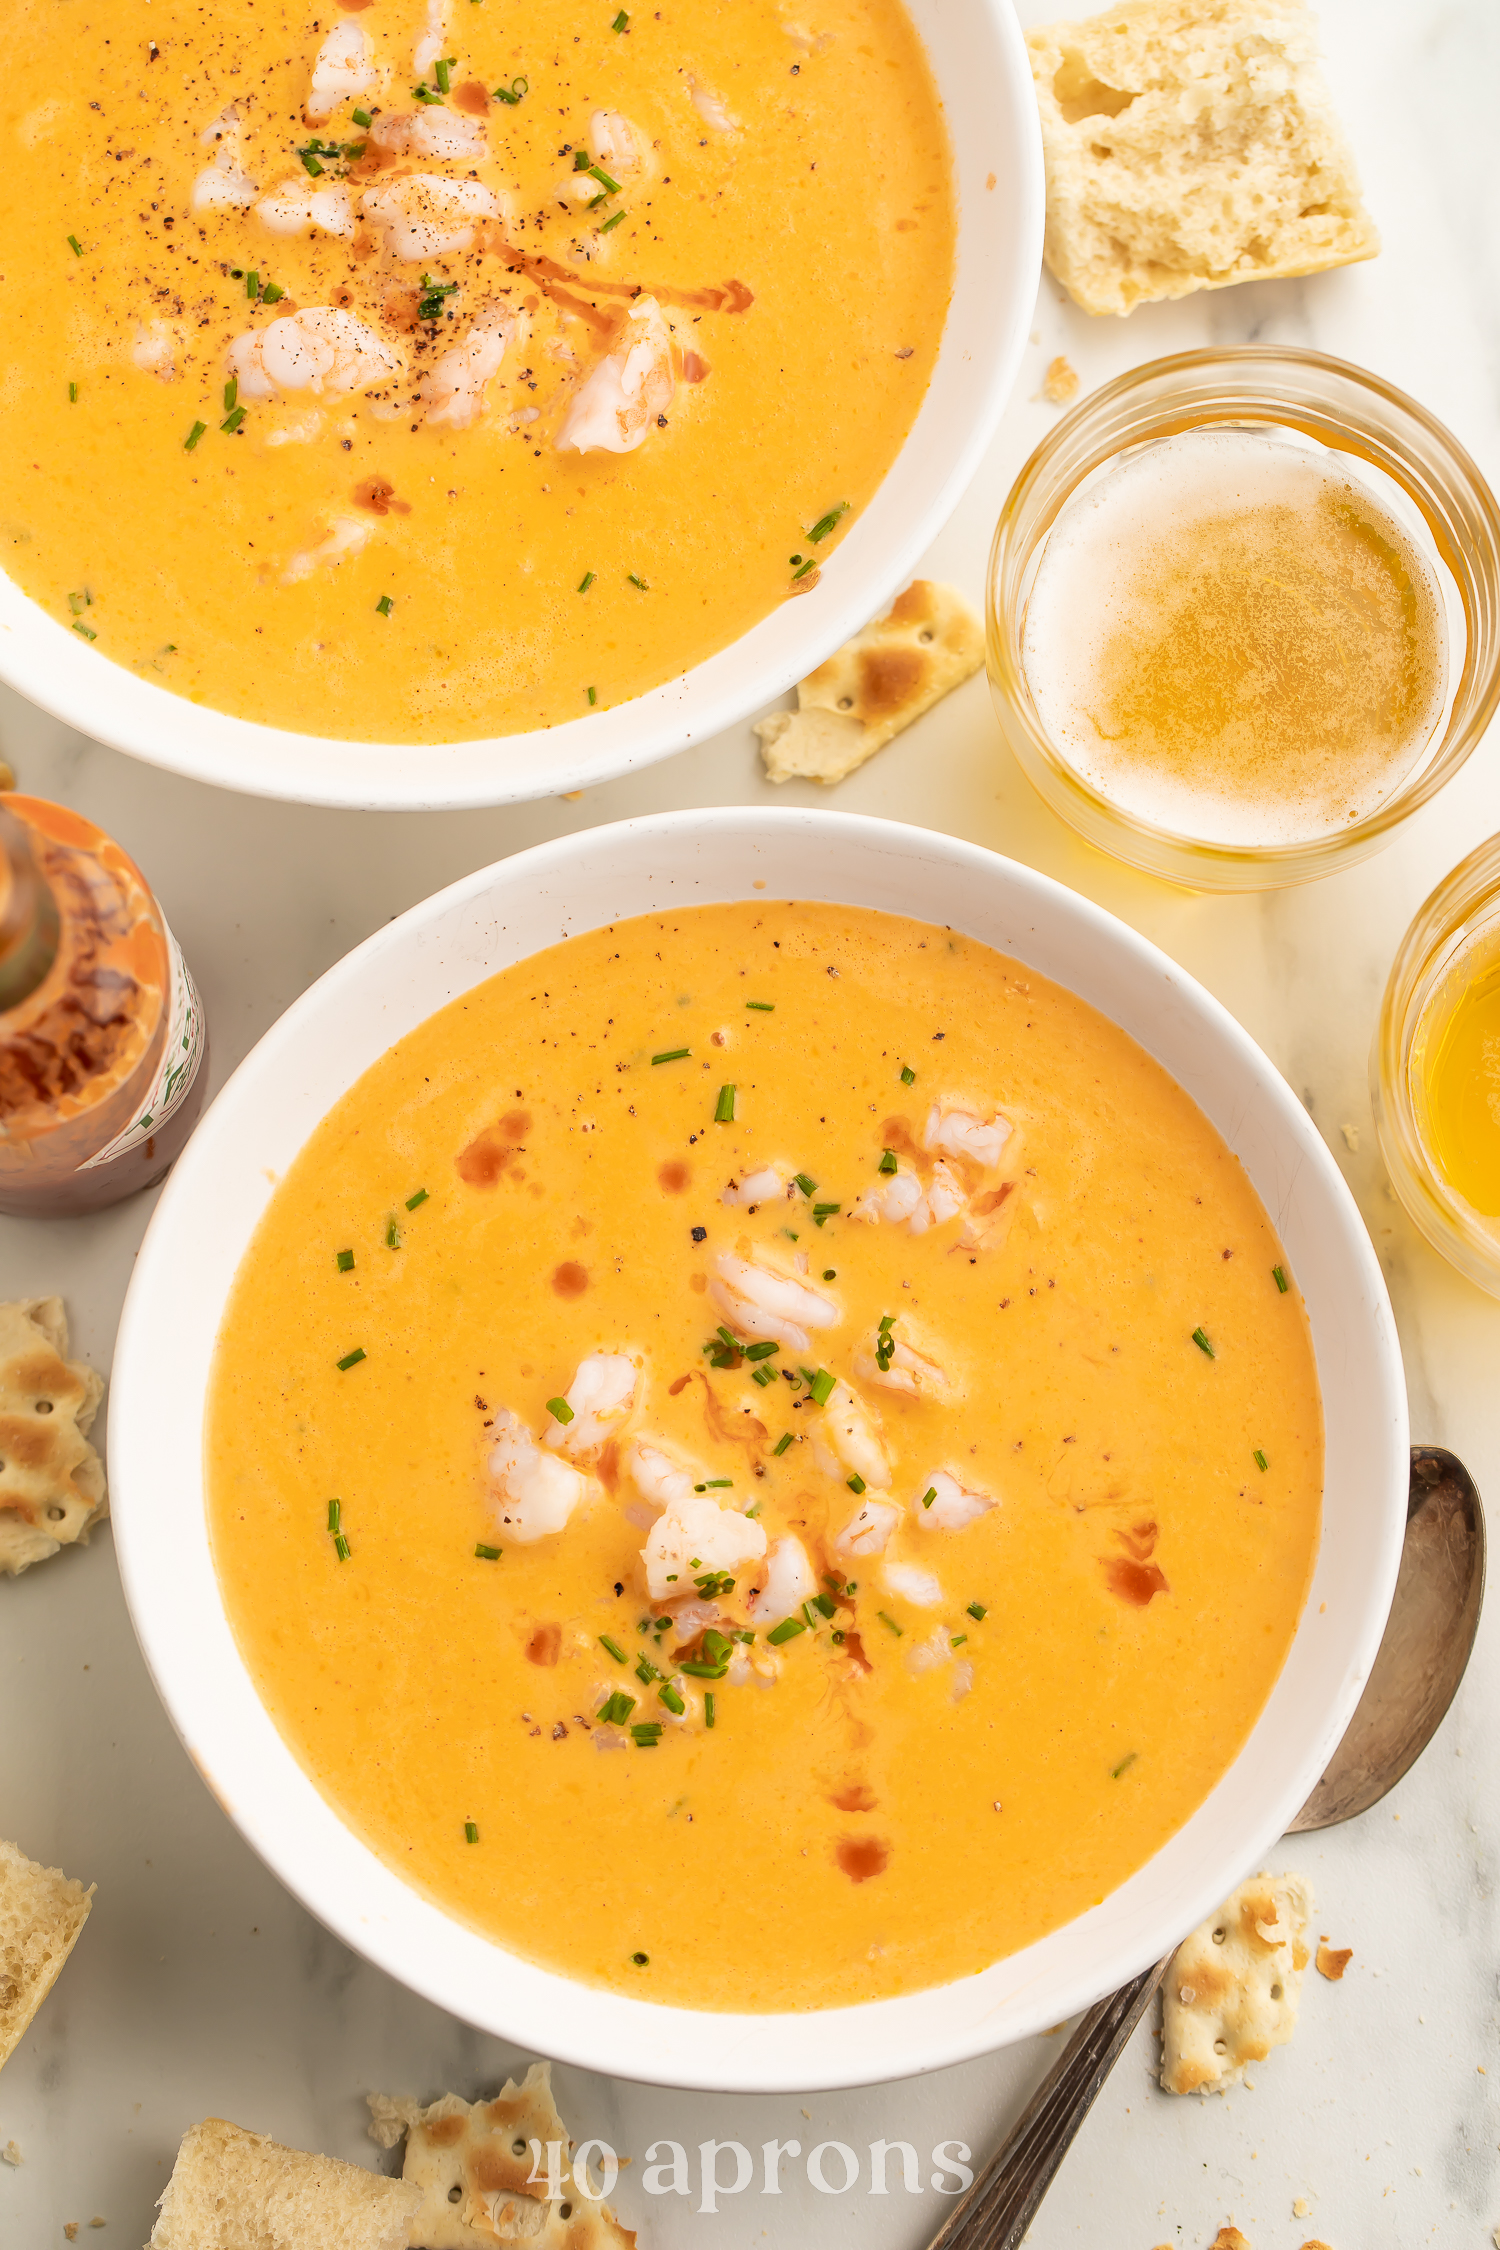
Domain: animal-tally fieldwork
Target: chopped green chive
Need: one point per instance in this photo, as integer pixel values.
(637, 581)
(1125, 1763)
(716, 1648)
(252, 283)
(641, 1960)
(1278, 1275)
(668, 1695)
(825, 524)
(560, 1411)
(787, 1630)
(614, 1649)
(1203, 1344)
(617, 1709)
(440, 72)
(647, 1735)
(708, 1708)
(956, 1640)
(384, 606)
(672, 1054)
(824, 1604)
(197, 431)
(887, 1323)
(587, 580)
(75, 245)
(335, 1511)
(810, 564)
(887, 1160)
(886, 1619)
(610, 187)
(908, 1075)
(272, 294)
(512, 93)
(715, 1484)
(823, 1212)
(607, 228)
(487, 1554)
(805, 1181)
(392, 1235)
(361, 117)
(351, 1359)
(471, 1833)
(72, 394)
(425, 94)
(929, 1496)
(703, 1671)
(231, 422)
(231, 392)
(646, 1671)
(856, 1483)
(592, 696)
(345, 1261)
(978, 1610)
(762, 1375)
(724, 1107)
(341, 1548)
(821, 1386)
(86, 631)
(310, 163)
(783, 1442)
(830, 1273)
(621, 20)
(413, 1201)
(761, 1351)
(762, 1007)
(1260, 1460)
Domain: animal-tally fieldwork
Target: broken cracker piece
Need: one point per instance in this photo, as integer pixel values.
(925, 646)
(51, 1479)
(1190, 144)
(230, 2188)
(494, 2155)
(41, 1913)
(1060, 383)
(1229, 2238)
(1332, 1961)
(1230, 1992)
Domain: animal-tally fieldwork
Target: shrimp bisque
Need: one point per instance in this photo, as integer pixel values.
(1231, 637)
(466, 370)
(765, 1457)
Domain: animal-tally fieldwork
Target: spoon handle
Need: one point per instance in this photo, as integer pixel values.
(1000, 2206)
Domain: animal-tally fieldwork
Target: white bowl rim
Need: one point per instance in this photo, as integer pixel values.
(995, 281)
(166, 1338)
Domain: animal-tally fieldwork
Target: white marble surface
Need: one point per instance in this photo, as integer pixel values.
(199, 1987)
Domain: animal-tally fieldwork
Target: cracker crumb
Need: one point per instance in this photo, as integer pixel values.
(1333, 1960)
(1351, 1138)
(1314, 2244)
(1230, 1993)
(11, 2153)
(52, 1488)
(1301, 2207)
(1060, 383)
(1229, 2238)
(70, 2229)
(898, 667)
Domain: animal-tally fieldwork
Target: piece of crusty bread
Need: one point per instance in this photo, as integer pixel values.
(494, 2155)
(1190, 144)
(1230, 1992)
(51, 1479)
(233, 2190)
(874, 685)
(41, 1913)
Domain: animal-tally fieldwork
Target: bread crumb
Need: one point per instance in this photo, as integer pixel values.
(1191, 144)
(11, 2153)
(1060, 383)
(1230, 1992)
(52, 1480)
(70, 2229)
(1333, 1961)
(98, 2222)
(898, 667)
(226, 2181)
(1351, 1138)
(1301, 2207)
(41, 1913)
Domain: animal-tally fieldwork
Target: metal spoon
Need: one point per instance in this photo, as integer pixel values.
(1421, 1659)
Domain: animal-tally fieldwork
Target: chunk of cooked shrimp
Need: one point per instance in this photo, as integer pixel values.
(344, 537)
(453, 389)
(696, 1537)
(533, 1493)
(760, 1302)
(914, 1584)
(869, 1532)
(789, 1583)
(891, 1200)
(620, 399)
(952, 1505)
(297, 204)
(423, 215)
(224, 184)
(850, 1430)
(710, 108)
(954, 1131)
(600, 1395)
(942, 1199)
(616, 145)
(906, 1370)
(433, 39)
(320, 348)
(657, 1477)
(343, 69)
(447, 135)
(766, 1184)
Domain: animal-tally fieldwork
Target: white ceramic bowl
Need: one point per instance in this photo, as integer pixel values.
(979, 61)
(442, 948)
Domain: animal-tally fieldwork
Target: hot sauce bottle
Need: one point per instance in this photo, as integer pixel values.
(102, 1037)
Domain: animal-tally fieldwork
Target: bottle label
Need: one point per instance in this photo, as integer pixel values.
(180, 1057)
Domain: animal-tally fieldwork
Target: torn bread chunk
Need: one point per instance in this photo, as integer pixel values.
(926, 645)
(1230, 1992)
(483, 2169)
(41, 1913)
(1190, 144)
(51, 1479)
(233, 2190)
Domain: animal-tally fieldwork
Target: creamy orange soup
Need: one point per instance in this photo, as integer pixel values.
(423, 372)
(762, 1459)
